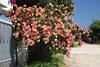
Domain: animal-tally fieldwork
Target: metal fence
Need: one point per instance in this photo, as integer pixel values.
(7, 45)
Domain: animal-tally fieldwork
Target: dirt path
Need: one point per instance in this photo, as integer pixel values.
(86, 56)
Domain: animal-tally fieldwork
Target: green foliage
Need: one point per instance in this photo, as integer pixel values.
(56, 61)
(42, 3)
(95, 28)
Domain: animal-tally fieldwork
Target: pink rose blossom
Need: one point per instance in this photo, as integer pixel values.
(56, 40)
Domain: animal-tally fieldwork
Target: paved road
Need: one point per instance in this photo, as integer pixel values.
(86, 56)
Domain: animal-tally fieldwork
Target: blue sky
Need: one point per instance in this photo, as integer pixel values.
(86, 11)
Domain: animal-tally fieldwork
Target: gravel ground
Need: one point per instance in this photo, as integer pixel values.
(86, 56)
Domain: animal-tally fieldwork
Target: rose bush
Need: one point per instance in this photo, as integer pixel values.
(48, 25)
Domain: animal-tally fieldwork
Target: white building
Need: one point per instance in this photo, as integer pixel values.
(4, 6)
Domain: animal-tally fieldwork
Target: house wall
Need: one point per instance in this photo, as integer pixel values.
(4, 3)
(4, 6)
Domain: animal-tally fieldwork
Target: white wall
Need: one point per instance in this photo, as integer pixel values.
(5, 3)
(4, 19)
(5, 9)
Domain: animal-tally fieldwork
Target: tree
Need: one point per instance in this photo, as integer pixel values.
(44, 26)
(95, 28)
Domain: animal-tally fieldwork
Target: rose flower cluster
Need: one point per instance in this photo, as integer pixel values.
(48, 25)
